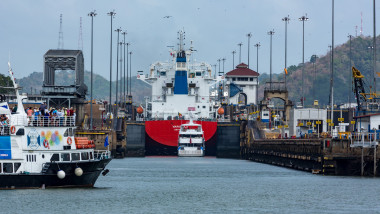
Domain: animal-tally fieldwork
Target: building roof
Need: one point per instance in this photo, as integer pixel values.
(242, 70)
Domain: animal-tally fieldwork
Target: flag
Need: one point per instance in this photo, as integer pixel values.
(286, 71)
(106, 142)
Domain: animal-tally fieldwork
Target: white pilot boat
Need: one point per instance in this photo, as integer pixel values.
(191, 142)
(41, 152)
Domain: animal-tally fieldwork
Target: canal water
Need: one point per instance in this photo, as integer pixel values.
(202, 185)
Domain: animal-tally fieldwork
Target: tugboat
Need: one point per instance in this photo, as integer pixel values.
(40, 152)
(191, 142)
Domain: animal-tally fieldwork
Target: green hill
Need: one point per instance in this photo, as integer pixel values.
(33, 83)
(361, 59)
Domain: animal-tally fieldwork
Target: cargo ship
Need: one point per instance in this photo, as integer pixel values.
(178, 87)
(42, 152)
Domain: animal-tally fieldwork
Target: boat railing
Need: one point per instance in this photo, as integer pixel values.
(102, 154)
(43, 121)
(5, 130)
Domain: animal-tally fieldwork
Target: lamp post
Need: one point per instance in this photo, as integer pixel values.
(350, 74)
(112, 15)
(286, 20)
(270, 33)
(124, 34)
(257, 45)
(92, 14)
(240, 44)
(249, 35)
(130, 72)
(314, 59)
(117, 63)
(374, 52)
(332, 65)
(128, 77)
(303, 19)
(121, 73)
(233, 59)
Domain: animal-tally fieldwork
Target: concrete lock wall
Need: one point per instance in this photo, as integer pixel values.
(135, 140)
(228, 141)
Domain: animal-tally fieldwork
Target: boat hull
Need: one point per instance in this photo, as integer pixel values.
(161, 136)
(91, 172)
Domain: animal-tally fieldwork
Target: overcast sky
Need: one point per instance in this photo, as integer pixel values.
(30, 28)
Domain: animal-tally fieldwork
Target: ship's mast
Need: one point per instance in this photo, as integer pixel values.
(20, 107)
(181, 38)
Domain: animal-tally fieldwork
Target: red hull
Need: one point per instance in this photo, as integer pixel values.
(166, 131)
(162, 136)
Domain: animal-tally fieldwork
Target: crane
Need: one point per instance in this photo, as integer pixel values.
(359, 89)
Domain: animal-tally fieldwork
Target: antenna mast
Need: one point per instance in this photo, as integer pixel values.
(80, 39)
(60, 34)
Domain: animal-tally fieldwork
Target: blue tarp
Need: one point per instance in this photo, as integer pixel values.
(234, 89)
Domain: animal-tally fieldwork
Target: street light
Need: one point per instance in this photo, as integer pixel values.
(240, 44)
(130, 72)
(128, 77)
(112, 15)
(257, 45)
(124, 34)
(286, 20)
(249, 35)
(303, 19)
(271, 33)
(349, 72)
(233, 59)
(117, 62)
(92, 14)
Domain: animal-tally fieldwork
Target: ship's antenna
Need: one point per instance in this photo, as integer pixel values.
(181, 38)
(60, 34)
(80, 39)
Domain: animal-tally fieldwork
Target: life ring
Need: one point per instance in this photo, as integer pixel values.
(46, 144)
(13, 129)
(69, 141)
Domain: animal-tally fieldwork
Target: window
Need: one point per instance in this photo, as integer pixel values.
(8, 167)
(16, 166)
(54, 157)
(75, 156)
(84, 155)
(233, 79)
(91, 156)
(65, 156)
(198, 74)
(251, 79)
(162, 73)
(203, 106)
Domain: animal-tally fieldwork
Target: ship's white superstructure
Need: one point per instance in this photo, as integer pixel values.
(180, 86)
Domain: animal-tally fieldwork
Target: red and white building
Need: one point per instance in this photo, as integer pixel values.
(242, 85)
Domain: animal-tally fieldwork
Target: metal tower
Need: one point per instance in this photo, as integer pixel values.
(60, 34)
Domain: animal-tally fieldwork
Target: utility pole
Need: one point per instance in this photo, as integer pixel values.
(112, 15)
(332, 66)
(249, 35)
(130, 72)
(374, 48)
(92, 14)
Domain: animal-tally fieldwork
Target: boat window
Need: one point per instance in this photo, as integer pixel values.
(8, 167)
(84, 155)
(162, 73)
(54, 157)
(198, 74)
(65, 157)
(91, 156)
(75, 156)
(16, 166)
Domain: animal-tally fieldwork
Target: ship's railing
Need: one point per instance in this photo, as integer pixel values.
(102, 154)
(39, 121)
(5, 130)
